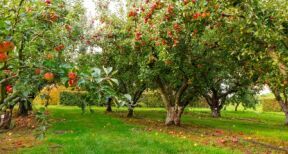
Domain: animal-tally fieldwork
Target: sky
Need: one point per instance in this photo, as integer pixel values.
(90, 7)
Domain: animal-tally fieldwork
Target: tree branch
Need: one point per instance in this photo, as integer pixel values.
(180, 91)
(163, 92)
(208, 99)
(139, 93)
(7, 79)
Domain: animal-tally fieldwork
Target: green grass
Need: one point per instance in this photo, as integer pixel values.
(101, 133)
(263, 124)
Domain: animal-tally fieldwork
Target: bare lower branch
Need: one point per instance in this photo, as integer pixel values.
(7, 79)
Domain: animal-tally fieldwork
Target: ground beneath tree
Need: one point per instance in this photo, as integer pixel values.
(20, 136)
(72, 132)
(246, 143)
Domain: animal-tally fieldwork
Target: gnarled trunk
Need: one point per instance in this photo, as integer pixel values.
(170, 116)
(215, 103)
(173, 116)
(215, 112)
(173, 101)
(215, 107)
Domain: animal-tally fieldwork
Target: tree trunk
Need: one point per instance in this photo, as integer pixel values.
(172, 101)
(135, 100)
(215, 107)
(286, 122)
(215, 111)
(6, 119)
(170, 116)
(178, 114)
(282, 103)
(109, 106)
(236, 107)
(130, 113)
(24, 108)
(284, 107)
(173, 116)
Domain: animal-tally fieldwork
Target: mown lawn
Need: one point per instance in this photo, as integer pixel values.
(71, 132)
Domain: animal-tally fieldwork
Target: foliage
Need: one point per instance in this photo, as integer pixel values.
(270, 105)
(117, 51)
(73, 98)
(46, 36)
(41, 40)
(150, 99)
(42, 118)
(247, 98)
(201, 103)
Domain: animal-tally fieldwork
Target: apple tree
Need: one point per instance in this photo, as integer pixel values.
(34, 38)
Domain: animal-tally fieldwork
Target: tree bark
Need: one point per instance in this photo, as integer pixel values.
(130, 113)
(215, 106)
(236, 107)
(109, 106)
(6, 119)
(283, 70)
(24, 109)
(282, 102)
(286, 122)
(170, 116)
(215, 111)
(174, 106)
(173, 116)
(284, 107)
(135, 100)
(178, 114)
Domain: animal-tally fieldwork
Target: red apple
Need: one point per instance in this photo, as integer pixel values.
(196, 15)
(170, 9)
(53, 16)
(48, 2)
(68, 28)
(72, 75)
(185, 2)
(59, 47)
(175, 42)
(37, 71)
(6, 46)
(170, 34)
(72, 82)
(138, 36)
(49, 56)
(177, 27)
(3, 57)
(9, 89)
(132, 13)
(49, 76)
